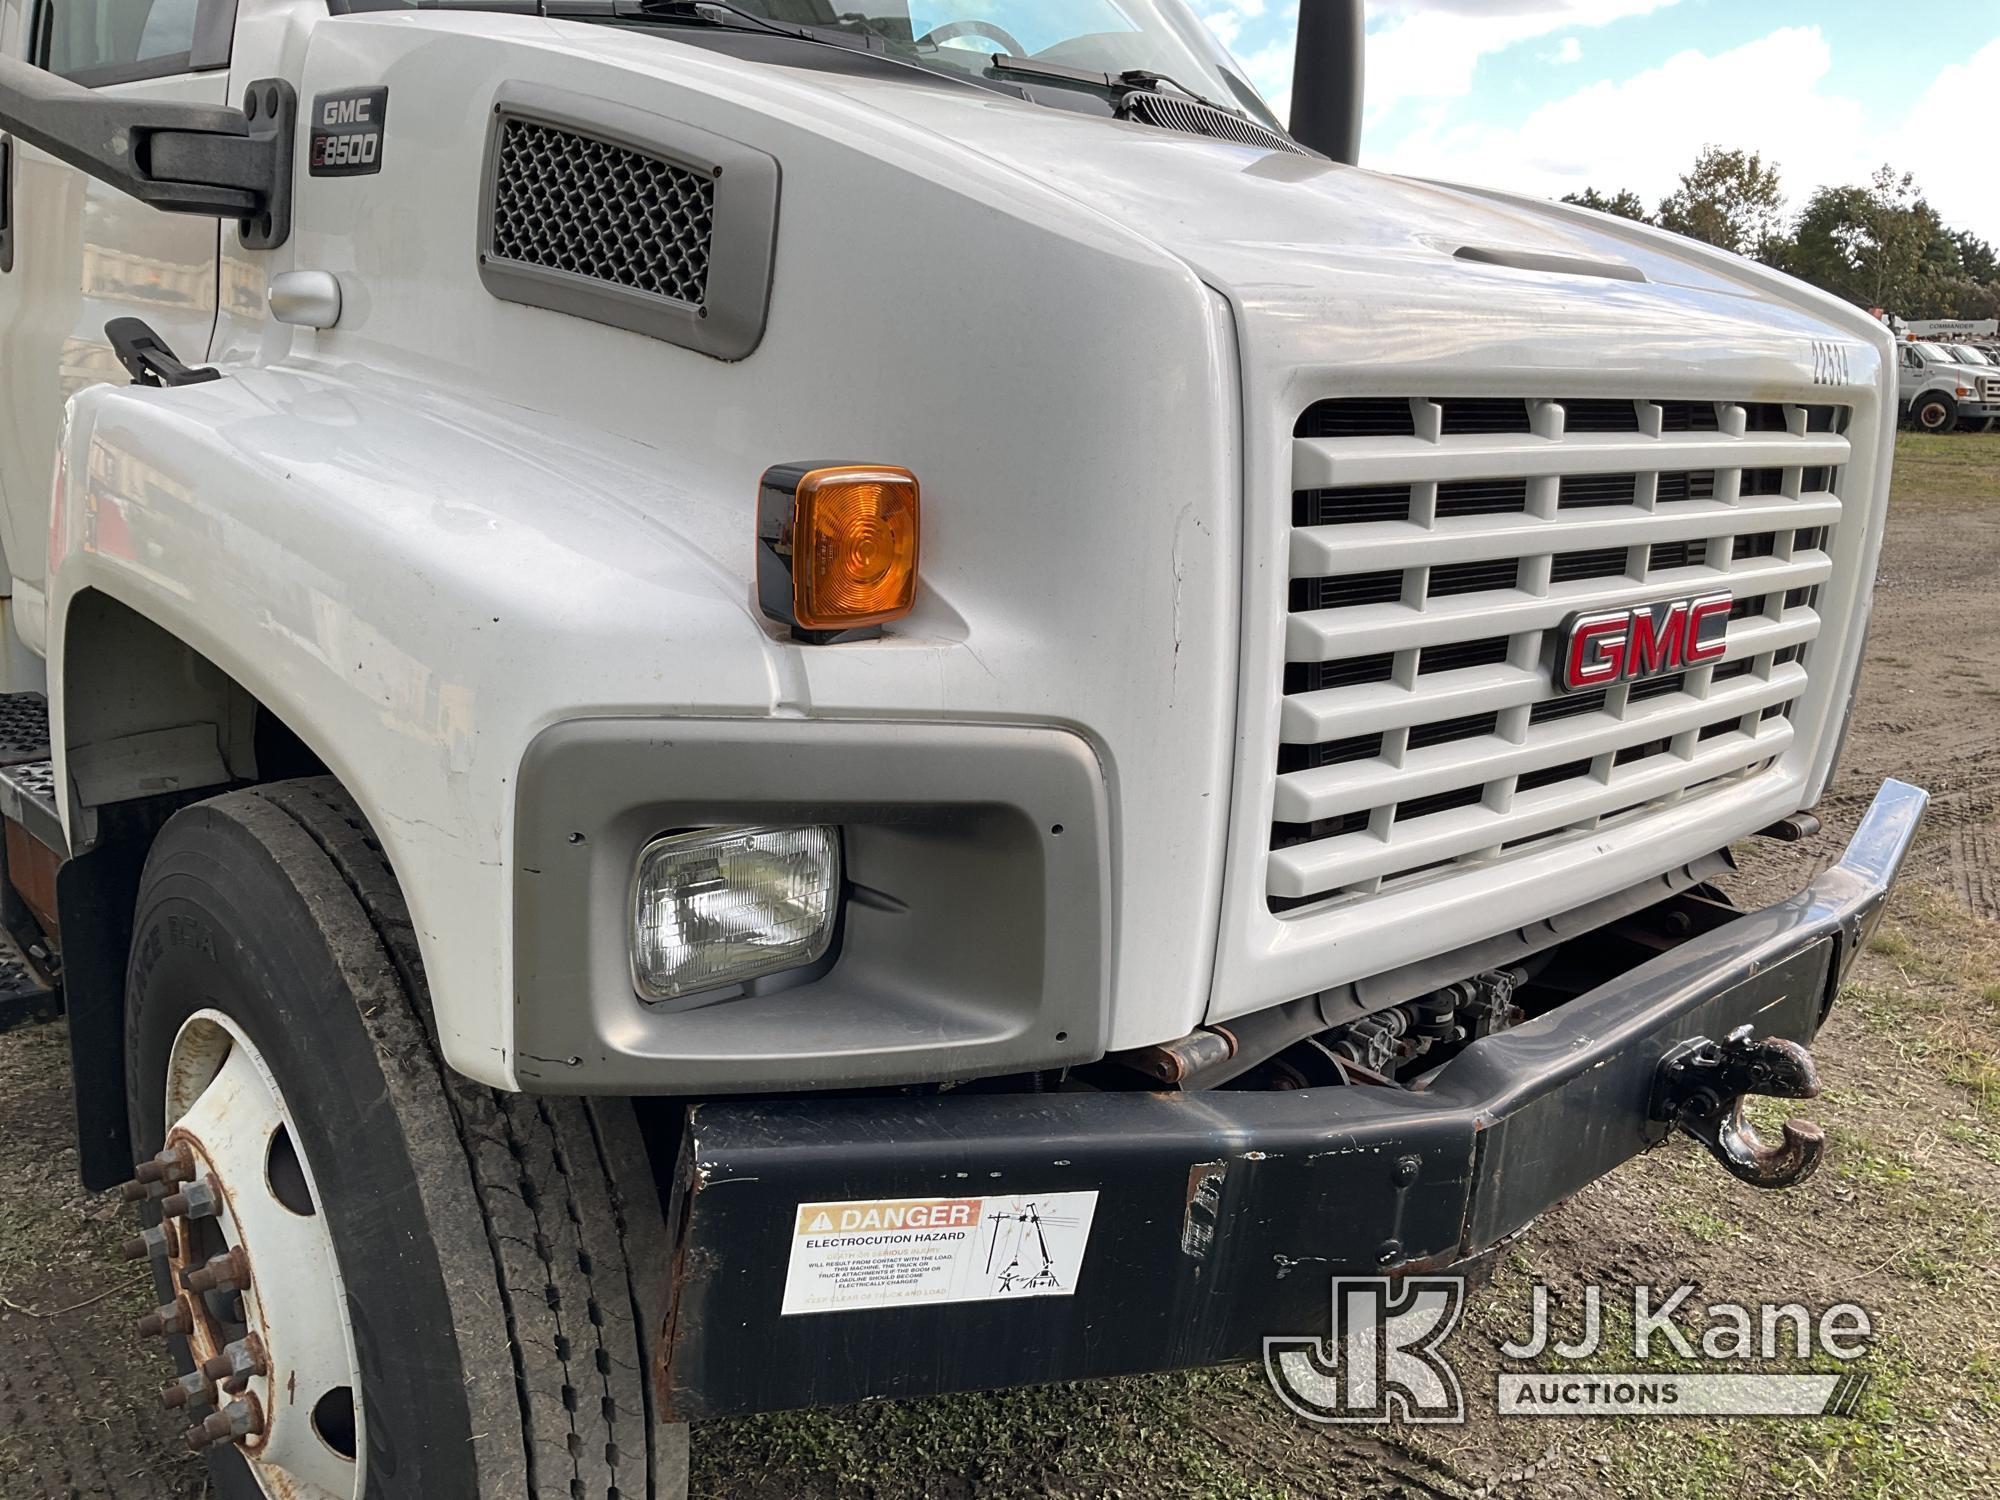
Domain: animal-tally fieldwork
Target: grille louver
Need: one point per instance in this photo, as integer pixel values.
(1170, 112)
(1437, 545)
(565, 201)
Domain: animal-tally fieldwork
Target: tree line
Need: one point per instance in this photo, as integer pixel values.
(1878, 244)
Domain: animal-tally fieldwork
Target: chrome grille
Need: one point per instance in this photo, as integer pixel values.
(571, 202)
(1437, 545)
(1989, 389)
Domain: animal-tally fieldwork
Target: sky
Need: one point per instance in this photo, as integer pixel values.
(1549, 96)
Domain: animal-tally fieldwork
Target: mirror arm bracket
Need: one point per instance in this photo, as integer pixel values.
(181, 158)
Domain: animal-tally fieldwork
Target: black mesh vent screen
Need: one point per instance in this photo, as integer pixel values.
(571, 202)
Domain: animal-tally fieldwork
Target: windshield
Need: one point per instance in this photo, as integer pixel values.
(1967, 355)
(1101, 36)
(1933, 352)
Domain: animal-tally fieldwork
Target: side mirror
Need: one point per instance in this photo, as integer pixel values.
(1328, 77)
(182, 158)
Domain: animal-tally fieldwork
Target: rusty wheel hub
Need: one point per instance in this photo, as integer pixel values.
(257, 1291)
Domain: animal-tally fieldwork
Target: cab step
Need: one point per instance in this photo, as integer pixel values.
(34, 849)
(24, 728)
(28, 798)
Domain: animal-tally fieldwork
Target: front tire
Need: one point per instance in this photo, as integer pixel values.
(499, 1256)
(1933, 413)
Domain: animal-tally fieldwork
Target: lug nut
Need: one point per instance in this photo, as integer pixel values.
(148, 1242)
(239, 1419)
(176, 1317)
(195, 1201)
(229, 1272)
(238, 1361)
(191, 1388)
(175, 1164)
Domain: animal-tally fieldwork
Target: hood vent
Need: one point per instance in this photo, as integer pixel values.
(1555, 265)
(1171, 112)
(601, 211)
(572, 202)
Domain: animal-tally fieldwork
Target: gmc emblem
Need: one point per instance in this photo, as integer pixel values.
(1627, 645)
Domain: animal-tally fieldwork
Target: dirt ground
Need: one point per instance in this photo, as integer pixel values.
(1903, 1220)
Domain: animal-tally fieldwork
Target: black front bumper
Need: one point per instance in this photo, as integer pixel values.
(1220, 1216)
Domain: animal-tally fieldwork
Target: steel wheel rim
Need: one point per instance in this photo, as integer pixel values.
(285, 1329)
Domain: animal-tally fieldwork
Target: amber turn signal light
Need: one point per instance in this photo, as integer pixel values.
(837, 546)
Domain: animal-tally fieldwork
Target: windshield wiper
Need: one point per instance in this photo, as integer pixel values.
(1117, 85)
(721, 13)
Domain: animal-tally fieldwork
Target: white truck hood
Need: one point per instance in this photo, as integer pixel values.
(1345, 282)
(1302, 245)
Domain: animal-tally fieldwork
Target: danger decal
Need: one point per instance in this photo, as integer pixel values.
(914, 1251)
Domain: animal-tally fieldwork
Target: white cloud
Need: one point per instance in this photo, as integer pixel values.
(1227, 18)
(1644, 131)
(1422, 50)
(1431, 50)
(1227, 26)
(1946, 142)
(1249, 22)
(1640, 132)
(1270, 69)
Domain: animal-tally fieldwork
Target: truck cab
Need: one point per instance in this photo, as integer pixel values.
(751, 705)
(1942, 390)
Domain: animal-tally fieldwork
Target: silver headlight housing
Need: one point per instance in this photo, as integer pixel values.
(718, 907)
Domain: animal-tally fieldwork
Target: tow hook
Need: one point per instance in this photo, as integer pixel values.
(1701, 1087)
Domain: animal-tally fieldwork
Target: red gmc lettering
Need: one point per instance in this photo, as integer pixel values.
(1657, 639)
(1597, 651)
(1708, 629)
(1626, 645)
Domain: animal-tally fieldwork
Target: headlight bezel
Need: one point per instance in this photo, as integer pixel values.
(975, 935)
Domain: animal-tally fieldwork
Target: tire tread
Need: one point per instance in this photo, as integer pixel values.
(555, 1221)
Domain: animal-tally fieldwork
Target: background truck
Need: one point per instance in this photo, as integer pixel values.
(1941, 392)
(1982, 364)
(721, 707)
(1949, 330)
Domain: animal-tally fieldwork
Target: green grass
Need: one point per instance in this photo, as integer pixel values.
(1058, 1439)
(1979, 1075)
(1705, 1227)
(1961, 466)
(1857, 1158)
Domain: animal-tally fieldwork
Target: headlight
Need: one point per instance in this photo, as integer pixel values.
(723, 905)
